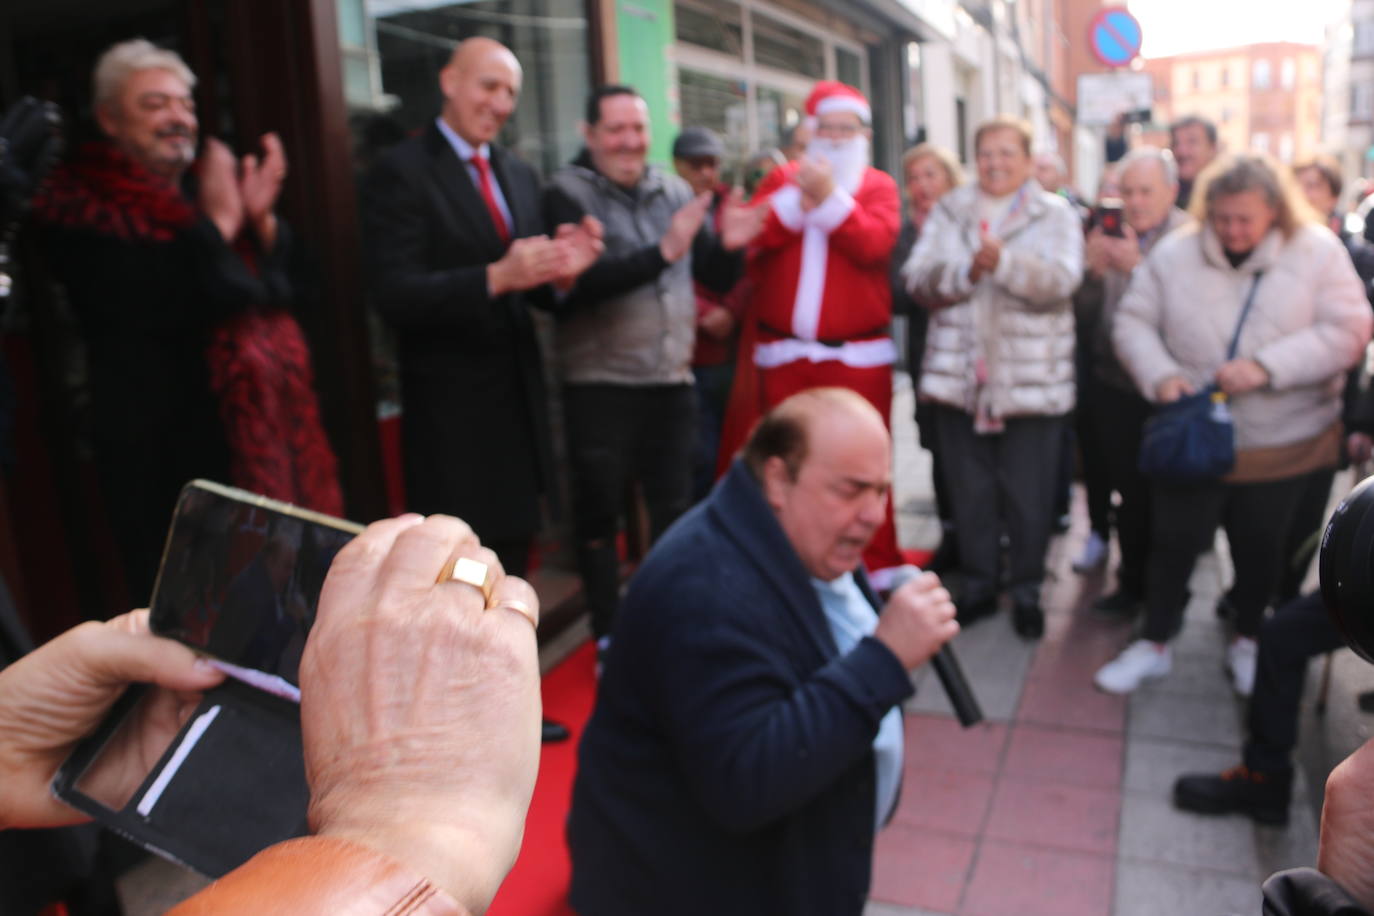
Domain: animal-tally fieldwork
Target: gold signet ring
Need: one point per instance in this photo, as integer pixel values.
(474, 573)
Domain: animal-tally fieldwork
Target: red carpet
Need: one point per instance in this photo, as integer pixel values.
(538, 885)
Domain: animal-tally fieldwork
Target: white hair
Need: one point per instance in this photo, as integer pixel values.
(122, 60)
(1156, 154)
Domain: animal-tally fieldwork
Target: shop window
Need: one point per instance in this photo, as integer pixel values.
(1364, 38)
(1260, 78)
(782, 47)
(714, 24)
(413, 39)
(848, 67)
(778, 112)
(719, 104)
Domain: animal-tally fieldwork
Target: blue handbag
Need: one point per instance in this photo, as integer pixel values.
(1193, 439)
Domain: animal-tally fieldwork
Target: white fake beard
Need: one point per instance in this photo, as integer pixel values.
(848, 159)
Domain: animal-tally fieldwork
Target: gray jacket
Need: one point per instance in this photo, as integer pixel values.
(642, 335)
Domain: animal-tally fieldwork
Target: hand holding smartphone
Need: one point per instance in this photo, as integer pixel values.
(221, 774)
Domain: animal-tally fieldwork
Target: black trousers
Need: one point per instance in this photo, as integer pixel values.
(1185, 519)
(1117, 419)
(622, 437)
(930, 441)
(1297, 631)
(1096, 473)
(996, 483)
(1300, 544)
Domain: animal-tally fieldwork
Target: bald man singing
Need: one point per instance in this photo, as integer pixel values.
(458, 254)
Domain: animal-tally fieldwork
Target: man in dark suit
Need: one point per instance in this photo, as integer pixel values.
(455, 234)
(747, 743)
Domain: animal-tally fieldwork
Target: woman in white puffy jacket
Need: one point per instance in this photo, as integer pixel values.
(1308, 323)
(998, 261)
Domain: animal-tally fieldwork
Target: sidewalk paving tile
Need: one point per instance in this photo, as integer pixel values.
(1205, 720)
(1056, 755)
(1058, 816)
(1153, 764)
(878, 908)
(940, 742)
(1033, 881)
(919, 867)
(953, 801)
(1152, 889)
(1053, 702)
(1153, 830)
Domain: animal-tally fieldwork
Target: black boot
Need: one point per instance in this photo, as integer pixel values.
(553, 731)
(1260, 794)
(1028, 621)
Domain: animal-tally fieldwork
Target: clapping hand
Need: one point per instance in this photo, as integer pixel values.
(581, 244)
(260, 182)
(816, 181)
(985, 260)
(686, 222)
(739, 222)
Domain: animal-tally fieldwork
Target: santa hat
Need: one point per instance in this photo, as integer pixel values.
(829, 95)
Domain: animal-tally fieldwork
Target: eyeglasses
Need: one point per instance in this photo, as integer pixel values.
(838, 131)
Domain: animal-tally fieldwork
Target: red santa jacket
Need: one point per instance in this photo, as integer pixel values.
(823, 275)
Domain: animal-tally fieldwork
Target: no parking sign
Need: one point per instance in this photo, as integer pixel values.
(1114, 37)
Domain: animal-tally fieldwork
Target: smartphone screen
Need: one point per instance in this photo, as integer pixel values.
(1110, 217)
(241, 576)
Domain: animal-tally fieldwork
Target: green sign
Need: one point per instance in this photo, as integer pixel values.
(645, 35)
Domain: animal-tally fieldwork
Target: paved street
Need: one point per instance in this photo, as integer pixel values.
(1059, 804)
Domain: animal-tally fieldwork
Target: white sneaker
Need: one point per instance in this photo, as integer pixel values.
(1241, 658)
(1142, 660)
(1093, 556)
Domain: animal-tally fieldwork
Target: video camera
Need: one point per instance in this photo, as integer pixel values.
(1346, 569)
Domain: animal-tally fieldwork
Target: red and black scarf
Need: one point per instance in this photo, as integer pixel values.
(257, 362)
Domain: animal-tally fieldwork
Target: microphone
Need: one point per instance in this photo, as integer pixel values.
(961, 697)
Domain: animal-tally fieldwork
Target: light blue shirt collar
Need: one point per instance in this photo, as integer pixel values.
(851, 618)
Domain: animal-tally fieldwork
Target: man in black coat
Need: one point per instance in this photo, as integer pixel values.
(455, 236)
(747, 740)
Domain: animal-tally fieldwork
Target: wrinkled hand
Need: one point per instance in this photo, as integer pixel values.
(686, 222)
(260, 182)
(816, 180)
(581, 244)
(1359, 447)
(1241, 375)
(221, 199)
(985, 260)
(1173, 388)
(716, 322)
(1346, 852)
(53, 697)
(527, 263)
(917, 620)
(739, 222)
(420, 709)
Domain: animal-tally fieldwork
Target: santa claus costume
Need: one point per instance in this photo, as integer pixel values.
(822, 307)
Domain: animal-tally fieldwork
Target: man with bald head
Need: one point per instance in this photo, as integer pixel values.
(458, 254)
(746, 744)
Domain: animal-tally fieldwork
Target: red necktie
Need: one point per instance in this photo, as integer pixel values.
(484, 185)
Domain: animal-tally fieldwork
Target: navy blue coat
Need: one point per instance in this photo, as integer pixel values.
(728, 765)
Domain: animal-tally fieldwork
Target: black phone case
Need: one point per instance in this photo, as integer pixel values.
(239, 789)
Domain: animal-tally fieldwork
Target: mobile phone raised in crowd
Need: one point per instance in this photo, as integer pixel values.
(1111, 217)
(219, 780)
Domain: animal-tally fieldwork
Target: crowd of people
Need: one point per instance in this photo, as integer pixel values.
(711, 347)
